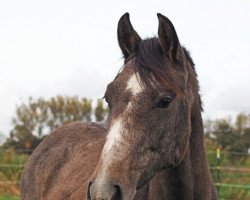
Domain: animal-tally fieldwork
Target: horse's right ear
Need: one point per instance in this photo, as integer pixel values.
(127, 37)
(168, 39)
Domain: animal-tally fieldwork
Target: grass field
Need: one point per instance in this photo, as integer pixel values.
(229, 174)
(7, 197)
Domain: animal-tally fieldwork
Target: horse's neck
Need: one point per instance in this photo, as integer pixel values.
(190, 179)
(202, 180)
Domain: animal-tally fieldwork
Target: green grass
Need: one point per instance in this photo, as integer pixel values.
(234, 193)
(236, 183)
(11, 166)
(13, 174)
(7, 197)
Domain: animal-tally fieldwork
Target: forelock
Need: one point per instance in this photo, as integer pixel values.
(152, 66)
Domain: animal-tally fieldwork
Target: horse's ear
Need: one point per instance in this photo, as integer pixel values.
(127, 37)
(168, 39)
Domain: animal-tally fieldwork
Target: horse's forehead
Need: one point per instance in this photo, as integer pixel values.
(128, 80)
(134, 84)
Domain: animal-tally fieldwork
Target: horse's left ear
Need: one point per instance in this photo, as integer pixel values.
(168, 40)
(128, 38)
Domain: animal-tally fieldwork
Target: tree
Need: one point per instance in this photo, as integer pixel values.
(2, 138)
(225, 134)
(208, 128)
(38, 117)
(241, 123)
(100, 111)
(246, 138)
(231, 136)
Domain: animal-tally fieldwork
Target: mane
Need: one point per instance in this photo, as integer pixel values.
(188, 57)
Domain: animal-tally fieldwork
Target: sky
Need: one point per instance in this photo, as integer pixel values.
(50, 48)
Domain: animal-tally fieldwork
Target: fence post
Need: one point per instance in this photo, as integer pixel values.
(218, 159)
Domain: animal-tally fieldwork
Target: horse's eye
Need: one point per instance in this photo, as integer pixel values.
(164, 103)
(106, 98)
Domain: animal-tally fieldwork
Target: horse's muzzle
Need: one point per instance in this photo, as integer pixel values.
(103, 191)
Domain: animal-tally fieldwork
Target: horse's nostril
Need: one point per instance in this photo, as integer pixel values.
(118, 192)
(88, 190)
(103, 191)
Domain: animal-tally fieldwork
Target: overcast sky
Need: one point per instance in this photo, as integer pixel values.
(70, 48)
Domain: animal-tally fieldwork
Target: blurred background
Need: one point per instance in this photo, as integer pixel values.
(56, 58)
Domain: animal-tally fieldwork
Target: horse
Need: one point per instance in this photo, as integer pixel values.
(152, 145)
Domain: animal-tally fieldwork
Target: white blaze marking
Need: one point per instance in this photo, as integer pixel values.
(134, 84)
(114, 135)
(116, 145)
(110, 151)
(116, 131)
(129, 107)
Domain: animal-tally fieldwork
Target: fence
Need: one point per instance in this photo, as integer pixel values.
(230, 170)
(231, 173)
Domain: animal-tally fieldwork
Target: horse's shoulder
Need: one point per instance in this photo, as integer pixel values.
(71, 143)
(70, 137)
